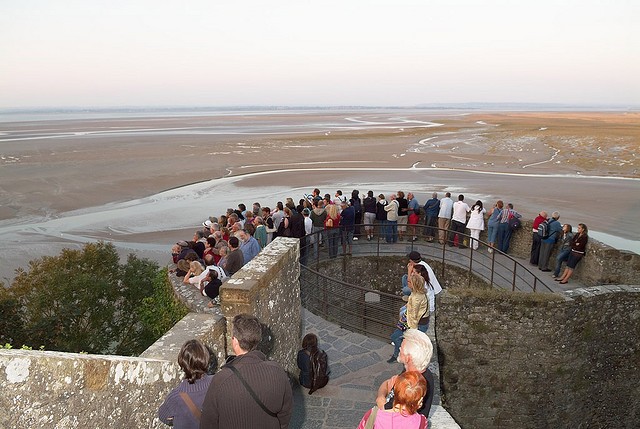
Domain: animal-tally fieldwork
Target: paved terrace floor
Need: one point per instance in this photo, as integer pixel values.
(358, 366)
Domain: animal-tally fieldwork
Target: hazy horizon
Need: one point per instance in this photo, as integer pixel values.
(377, 53)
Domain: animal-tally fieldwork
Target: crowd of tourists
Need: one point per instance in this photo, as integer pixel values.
(228, 241)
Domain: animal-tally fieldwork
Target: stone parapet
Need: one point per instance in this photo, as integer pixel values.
(208, 328)
(69, 390)
(269, 288)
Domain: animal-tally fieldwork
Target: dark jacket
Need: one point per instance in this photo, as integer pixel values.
(229, 405)
(381, 213)
(347, 219)
(297, 225)
(235, 261)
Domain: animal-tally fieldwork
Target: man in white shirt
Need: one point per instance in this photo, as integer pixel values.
(444, 216)
(460, 210)
(416, 259)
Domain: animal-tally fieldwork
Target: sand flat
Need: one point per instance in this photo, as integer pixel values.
(49, 169)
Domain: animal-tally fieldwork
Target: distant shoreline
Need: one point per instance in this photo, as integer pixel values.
(25, 114)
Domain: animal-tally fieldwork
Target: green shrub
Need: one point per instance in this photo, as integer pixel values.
(85, 300)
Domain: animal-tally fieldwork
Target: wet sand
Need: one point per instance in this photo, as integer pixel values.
(66, 182)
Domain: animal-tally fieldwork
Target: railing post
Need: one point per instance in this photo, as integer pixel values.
(513, 282)
(470, 265)
(493, 265)
(444, 249)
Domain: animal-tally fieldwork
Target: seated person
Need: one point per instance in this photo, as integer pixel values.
(235, 258)
(195, 274)
(208, 255)
(210, 286)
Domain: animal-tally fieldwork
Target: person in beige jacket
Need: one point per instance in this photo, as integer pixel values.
(414, 316)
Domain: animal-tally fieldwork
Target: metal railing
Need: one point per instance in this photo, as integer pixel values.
(375, 313)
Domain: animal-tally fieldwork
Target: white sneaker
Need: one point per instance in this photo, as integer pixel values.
(490, 250)
(355, 238)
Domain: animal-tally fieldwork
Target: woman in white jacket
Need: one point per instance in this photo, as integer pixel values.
(476, 223)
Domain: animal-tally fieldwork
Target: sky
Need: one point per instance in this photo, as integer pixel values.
(89, 53)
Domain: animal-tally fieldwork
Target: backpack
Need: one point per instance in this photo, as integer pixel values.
(514, 223)
(319, 370)
(544, 231)
(284, 231)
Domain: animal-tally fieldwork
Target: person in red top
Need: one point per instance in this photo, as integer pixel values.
(535, 238)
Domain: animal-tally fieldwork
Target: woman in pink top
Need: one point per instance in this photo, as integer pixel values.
(409, 389)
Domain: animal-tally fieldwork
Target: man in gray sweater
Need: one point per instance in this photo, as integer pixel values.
(249, 391)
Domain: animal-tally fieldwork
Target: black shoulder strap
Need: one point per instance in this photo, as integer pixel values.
(251, 392)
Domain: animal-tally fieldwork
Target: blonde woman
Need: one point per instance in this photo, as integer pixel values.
(193, 275)
(416, 313)
(332, 227)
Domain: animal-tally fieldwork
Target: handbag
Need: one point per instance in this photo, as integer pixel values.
(372, 418)
(402, 323)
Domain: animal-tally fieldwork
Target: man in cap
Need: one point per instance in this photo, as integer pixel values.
(431, 289)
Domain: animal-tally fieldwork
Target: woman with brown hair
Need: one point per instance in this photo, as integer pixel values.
(578, 249)
(182, 407)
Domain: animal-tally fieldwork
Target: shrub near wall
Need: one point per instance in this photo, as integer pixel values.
(530, 361)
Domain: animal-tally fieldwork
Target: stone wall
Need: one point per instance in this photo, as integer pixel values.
(538, 360)
(68, 390)
(269, 288)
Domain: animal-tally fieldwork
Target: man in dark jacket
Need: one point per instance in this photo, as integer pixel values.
(229, 404)
(431, 209)
(235, 258)
(347, 222)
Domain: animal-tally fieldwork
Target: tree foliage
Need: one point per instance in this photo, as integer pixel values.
(85, 300)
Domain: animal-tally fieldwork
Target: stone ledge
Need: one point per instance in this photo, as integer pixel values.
(208, 328)
(601, 290)
(191, 297)
(127, 389)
